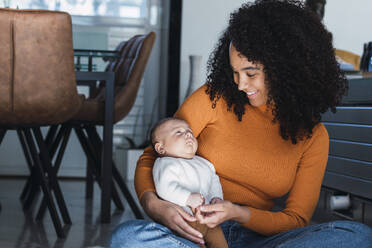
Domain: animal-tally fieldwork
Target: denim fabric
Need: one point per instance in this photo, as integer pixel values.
(340, 234)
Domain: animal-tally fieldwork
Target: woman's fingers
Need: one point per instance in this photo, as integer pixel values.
(198, 214)
(212, 207)
(214, 214)
(174, 217)
(184, 229)
(189, 233)
(186, 215)
(211, 220)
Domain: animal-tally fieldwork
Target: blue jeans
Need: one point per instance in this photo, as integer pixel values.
(340, 234)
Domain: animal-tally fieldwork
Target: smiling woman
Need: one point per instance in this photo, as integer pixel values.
(257, 120)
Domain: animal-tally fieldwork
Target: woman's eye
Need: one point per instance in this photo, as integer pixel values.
(251, 75)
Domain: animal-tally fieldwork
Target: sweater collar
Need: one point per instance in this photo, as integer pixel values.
(266, 110)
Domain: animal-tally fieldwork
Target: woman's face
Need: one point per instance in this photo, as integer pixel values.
(249, 77)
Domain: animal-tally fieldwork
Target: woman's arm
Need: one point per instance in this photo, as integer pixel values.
(304, 193)
(300, 204)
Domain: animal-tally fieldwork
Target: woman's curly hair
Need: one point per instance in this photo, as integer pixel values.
(302, 76)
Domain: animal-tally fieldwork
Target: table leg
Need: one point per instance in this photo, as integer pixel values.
(107, 151)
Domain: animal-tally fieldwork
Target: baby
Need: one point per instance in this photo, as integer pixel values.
(184, 178)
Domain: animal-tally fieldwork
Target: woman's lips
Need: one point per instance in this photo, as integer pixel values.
(252, 94)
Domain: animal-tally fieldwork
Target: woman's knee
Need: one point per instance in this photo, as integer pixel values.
(343, 234)
(128, 233)
(360, 233)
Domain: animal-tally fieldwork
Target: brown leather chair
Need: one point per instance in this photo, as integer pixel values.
(37, 88)
(129, 70)
(128, 75)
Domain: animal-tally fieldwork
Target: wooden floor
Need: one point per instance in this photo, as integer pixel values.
(19, 230)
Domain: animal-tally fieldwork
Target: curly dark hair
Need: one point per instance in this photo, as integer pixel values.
(302, 76)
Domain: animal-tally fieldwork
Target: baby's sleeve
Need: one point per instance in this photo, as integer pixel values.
(215, 189)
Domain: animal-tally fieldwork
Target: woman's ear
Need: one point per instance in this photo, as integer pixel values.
(159, 148)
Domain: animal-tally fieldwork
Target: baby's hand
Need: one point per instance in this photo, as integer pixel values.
(216, 200)
(195, 200)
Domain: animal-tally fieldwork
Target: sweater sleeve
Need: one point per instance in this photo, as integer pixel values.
(167, 178)
(304, 193)
(198, 112)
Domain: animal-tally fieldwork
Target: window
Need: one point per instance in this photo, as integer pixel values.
(108, 8)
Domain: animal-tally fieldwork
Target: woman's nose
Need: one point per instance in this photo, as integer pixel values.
(242, 84)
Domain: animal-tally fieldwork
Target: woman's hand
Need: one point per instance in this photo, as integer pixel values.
(214, 214)
(171, 216)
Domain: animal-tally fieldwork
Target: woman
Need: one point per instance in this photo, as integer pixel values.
(257, 119)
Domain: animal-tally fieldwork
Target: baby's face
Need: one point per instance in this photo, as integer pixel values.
(176, 139)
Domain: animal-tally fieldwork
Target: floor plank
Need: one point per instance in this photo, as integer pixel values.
(18, 228)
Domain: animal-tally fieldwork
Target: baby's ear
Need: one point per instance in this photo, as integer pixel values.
(159, 148)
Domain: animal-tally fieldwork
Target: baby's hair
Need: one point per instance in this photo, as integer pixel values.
(156, 127)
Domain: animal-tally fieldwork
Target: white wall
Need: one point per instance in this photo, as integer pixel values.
(203, 21)
(348, 20)
(202, 24)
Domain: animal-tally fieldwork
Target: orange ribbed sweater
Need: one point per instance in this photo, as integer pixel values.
(253, 162)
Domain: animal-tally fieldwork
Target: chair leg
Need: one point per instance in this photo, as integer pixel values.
(31, 188)
(44, 184)
(124, 189)
(96, 158)
(89, 180)
(92, 156)
(53, 181)
(93, 134)
(2, 134)
(51, 134)
(55, 142)
(65, 134)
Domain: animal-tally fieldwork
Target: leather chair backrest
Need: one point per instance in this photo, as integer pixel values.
(37, 78)
(129, 70)
(135, 54)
